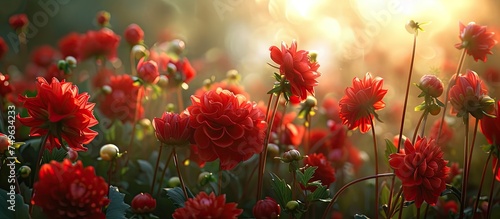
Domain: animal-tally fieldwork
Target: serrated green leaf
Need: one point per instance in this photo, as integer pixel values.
(390, 148)
(12, 206)
(281, 189)
(176, 195)
(319, 193)
(57, 154)
(304, 178)
(117, 207)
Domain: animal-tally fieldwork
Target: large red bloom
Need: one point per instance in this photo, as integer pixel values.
(58, 110)
(297, 67)
(103, 42)
(207, 206)
(121, 103)
(358, 106)
(173, 129)
(469, 95)
(422, 170)
(68, 45)
(3, 48)
(65, 191)
(476, 40)
(324, 172)
(227, 127)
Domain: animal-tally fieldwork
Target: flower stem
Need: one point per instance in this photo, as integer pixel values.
(134, 124)
(330, 205)
(490, 199)
(376, 167)
(176, 162)
(426, 210)
(37, 167)
(404, 111)
(133, 69)
(418, 213)
(464, 180)
(180, 101)
(482, 181)
(156, 169)
(401, 208)
(164, 171)
(219, 182)
(263, 154)
(110, 170)
(417, 127)
(469, 160)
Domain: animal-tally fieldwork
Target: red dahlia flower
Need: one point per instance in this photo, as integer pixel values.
(58, 110)
(324, 172)
(18, 21)
(121, 103)
(476, 40)
(422, 170)
(297, 67)
(5, 87)
(143, 203)
(490, 127)
(68, 45)
(3, 48)
(358, 106)
(103, 42)
(134, 34)
(266, 209)
(226, 85)
(148, 71)
(182, 73)
(497, 174)
(207, 206)
(227, 127)
(44, 55)
(469, 95)
(173, 129)
(446, 133)
(65, 191)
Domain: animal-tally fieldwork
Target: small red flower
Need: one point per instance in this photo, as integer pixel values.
(121, 102)
(297, 68)
(227, 127)
(454, 171)
(65, 191)
(3, 48)
(173, 129)
(68, 45)
(103, 42)
(5, 87)
(266, 209)
(324, 172)
(446, 133)
(103, 18)
(469, 95)
(58, 110)
(331, 109)
(134, 34)
(476, 40)
(182, 73)
(422, 170)
(207, 206)
(431, 85)
(143, 203)
(45, 55)
(148, 71)
(358, 106)
(18, 21)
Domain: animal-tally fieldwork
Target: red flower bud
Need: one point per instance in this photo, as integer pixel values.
(134, 34)
(18, 21)
(431, 85)
(266, 208)
(148, 71)
(103, 18)
(143, 203)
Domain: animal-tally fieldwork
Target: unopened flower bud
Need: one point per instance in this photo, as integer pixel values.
(61, 64)
(205, 178)
(291, 155)
(103, 18)
(266, 208)
(174, 182)
(163, 81)
(171, 68)
(106, 89)
(292, 205)
(4, 143)
(233, 75)
(134, 34)
(313, 56)
(431, 85)
(311, 102)
(143, 203)
(178, 46)
(72, 155)
(109, 152)
(273, 150)
(24, 171)
(487, 105)
(71, 61)
(138, 51)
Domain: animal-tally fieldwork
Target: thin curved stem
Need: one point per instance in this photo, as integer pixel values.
(376, 167)
(37, 167)
(180, 101)
(464, 182)
(156, 169)
(401, 208)
(490, 199)
(219, 183)
(176, 162)
(164, 171)
(414, 138)
(426, 210)
(469, 160)
(134, 124)
(330, 205)
(481, 183)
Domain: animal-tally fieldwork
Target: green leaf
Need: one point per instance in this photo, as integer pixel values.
(390, 148)
(320, 193)
(441, 104)
(384, 198)
(452, 190)
(57, 154)
(146, 171)
(360, 216)
(117, 207)
(281, 189)
(304, 178)
(12, 205)
(176, 195)
(420, 107)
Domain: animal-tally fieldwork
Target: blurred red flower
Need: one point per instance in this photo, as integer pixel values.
(446, 133)
(183, 72)
(454, 171)
(102, 77)
(297, 67)
(227, 127)
(65, 191)
(207, 206)
(3, 48)
(143, 203)
(358, 105)
(5, 86)
(103, 42)
(422, 170)
(68, 45)
(324, 172)
(18, 21)
(147, 70)
(121, 103)
(194, 155)
(44, 55)
(469, 95)
(102, 18)
(59, 111)
(134, 34)
(490, 127)
(173, 129)
(476, 40)
(226, 85)
(331, 109)
(266, 209)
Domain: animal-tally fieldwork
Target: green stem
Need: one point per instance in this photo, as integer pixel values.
(464, 180)
(176, 162)
(134, 124)
(376, 167)
(414, 139)
(481, 183)
(490, 199)
(330, 205)
(426, 210)
(219, 183)
(401, 207)
(156, 169)
(164, 171)
(37, 167)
